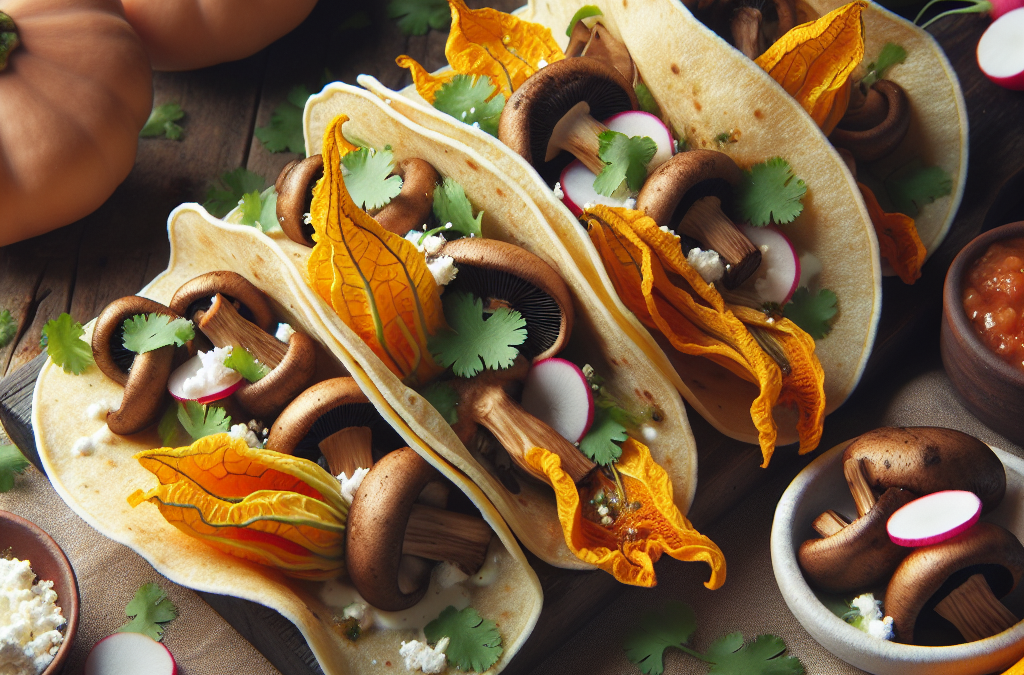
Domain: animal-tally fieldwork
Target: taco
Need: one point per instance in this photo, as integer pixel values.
(750, 121)
(292, 563)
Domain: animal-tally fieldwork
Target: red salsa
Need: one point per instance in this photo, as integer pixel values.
(994, 299)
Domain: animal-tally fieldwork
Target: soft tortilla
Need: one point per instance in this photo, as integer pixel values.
(96, 487)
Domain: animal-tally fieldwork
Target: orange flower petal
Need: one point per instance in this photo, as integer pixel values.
(427, 85)
(898, 240)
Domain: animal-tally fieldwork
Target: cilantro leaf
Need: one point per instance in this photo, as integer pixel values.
(200, 421)
(646, 643)
(147, 610)
(584, 12)
(475, 643)
(285, 129)
(475, 343)
(626, 157)
(11, 462)
(452, 206)
(169, 429)
(242, 361)
(146, 332)
(259, 209)
(66, 346)
(731, 656)
(471, 100)
(161, 122)
(225, 193)
(914, 185)
(600, 442)
(812, 313)
(646, 99)
(416, 17)
(770, 192)
(8, 328)
(369, 180)
(444, 398)
(890, 55)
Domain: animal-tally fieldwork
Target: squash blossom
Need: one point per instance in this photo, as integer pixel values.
(273, 509)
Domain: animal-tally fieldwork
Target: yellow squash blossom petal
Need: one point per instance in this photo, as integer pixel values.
(427, 84)
(898, 240)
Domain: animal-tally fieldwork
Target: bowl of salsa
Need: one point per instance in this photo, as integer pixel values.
(982, 336)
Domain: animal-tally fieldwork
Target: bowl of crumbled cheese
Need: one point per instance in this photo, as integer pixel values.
(38, 600)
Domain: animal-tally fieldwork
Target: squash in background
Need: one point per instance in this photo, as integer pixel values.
(76, 90)
(190, 34)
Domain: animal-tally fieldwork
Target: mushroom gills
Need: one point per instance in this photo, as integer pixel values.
(381, 435)
(120, 355)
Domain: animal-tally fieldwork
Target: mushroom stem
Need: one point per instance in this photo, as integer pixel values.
(144, 392)
(829, 523)
(746, 31)
(605, 47)
(707, 223)
(578, 133)
(863, 496)
(975, 610)
(348, 450)
(225, 326)
(437, 534)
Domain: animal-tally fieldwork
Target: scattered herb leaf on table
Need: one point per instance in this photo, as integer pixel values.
(11, 462)
(148, 609)
(63, 339)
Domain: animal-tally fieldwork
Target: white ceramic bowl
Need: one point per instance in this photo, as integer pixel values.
(821, 486)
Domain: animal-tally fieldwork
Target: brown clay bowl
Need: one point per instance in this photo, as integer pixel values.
(989, 387)
(26, 541)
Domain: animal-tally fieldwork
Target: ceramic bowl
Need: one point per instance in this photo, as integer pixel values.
(26, 541)
(821, 486)
(990, 388)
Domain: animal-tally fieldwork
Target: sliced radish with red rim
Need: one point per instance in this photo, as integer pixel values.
(1001, 50)
(578, 189)
(129, 654)
(215, 392)
(557, 393)
(934, 518)
(779, 274)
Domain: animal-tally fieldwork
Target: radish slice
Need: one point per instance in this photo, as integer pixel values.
(934, 518)
(639, 123)
(129, 654)
(779, 274)
(557, 393)
(1001, 50)
(224, 386)
(578, 189)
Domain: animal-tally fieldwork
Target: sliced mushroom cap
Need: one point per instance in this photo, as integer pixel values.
(413, 205)
(108, 349)
(509, 275)
(875, 124)
(197, 294)
(294, 187)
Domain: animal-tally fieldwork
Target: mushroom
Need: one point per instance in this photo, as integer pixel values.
(961, 579)
(197, 294)
(558, 108)
(875, 123)
(294, 186)
(693, 183)
(385, 523)
(144, 376)
(291, 365)
(748, 26)
(598, 43)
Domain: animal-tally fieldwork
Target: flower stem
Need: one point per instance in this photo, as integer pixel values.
(8, 38)
(694, 654)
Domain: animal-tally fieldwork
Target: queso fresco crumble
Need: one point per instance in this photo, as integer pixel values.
(29, 620)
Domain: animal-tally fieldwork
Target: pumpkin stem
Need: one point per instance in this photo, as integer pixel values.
(8, 38)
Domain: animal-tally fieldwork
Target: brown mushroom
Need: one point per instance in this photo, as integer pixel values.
(598, 43)
(693, 183)
(752, 34)
(294, 186)
(558, 108)
(875, 123)
(961, 579)
(384, 522)
(197, 294)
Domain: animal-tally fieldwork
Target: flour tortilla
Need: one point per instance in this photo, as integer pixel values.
(704, 88)
(96, 487)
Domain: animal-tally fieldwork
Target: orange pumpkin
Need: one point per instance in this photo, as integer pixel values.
(190, 34)
(73, 96)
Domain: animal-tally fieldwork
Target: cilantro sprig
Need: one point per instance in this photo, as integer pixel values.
(812, 313)
(200, 421)
(284, 133)
(146, 332)
(471, 100)
(416, 17)
(912, 186)
(601, 444)
(11, 462)
(451, 205)
(161, 122)
(474, 642)
(259, 209)
(243, 362)
(770, 192)
(444, 398)
(626, 158)
(229, 189)
(477, 342)
(63, 340)
(8, 328)
(890, 55)
(148, 610)
(369, 181)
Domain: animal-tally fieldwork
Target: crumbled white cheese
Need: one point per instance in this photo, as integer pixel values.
(213, 375)
(307, 218)
(559, 194)
(387, 101)
(602, 510)
(357, 611)
(675, 146)
(629, 203)
(29, 620)
(707, 264)
(588, 205)
(869, 617)
(881, 629)
(284, 332)
(350, 485)
(83, 447)
(443, 268)
(433, 243)
(606, 520)
(420, 656)
(98, 411)
(649, 433)
(541, 64)
(243, 432)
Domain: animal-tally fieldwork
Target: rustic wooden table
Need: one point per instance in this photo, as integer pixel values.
(123, 245)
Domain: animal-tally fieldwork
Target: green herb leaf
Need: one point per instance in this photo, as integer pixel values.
(760, 657)
(11, 462)
(242, 361)
(451, 205)
(645, 644)
(416, 17)
(147, 610)
(914, 185)
(474, 642)
(475, 343)
(225, 193)
(369, 180)
(890, 55)
(584, 12)
(646, 99)
(626, 158)
(444, 398)
(162, 120)
(770, 192)
(8, 328)
(67, 348)
(259, 209)
(285, 129)
(146, 332)
(812, 313)
(601, 442)
(171, 433)
(199, 420)
(471, 100)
